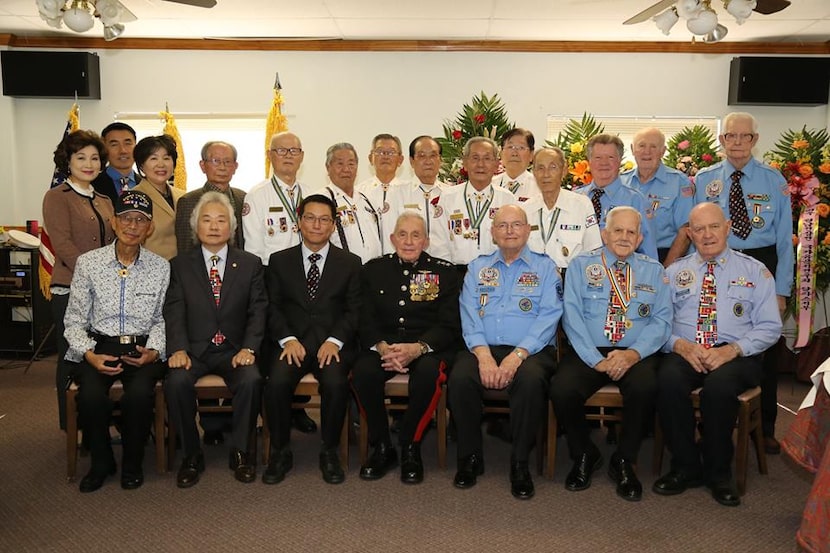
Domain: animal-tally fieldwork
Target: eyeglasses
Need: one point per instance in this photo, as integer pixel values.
(516, 148)
(423, 156)
(138, 220)
(485, 159)
(282, 152)
(515, 226)
(386, 153)
(744, 136)
(221, 162)
(311, 219)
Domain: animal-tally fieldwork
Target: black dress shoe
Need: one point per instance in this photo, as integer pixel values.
(243, 471)
(213, 437)
(675, 482)
(412, 467)
(622, 472)
(131, 480)
(469, 468)
(94, 479)
(330, 467)
(278, 466)
(302, 422)
(725, 494)
(521, 484)
(192, 467)
(580, 476)
(383, 458)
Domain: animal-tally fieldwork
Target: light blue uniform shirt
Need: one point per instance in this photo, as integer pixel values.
(768, 199)
(669, 198)
(587, 294)
(747, 310)
(516, 305)
(617, 194)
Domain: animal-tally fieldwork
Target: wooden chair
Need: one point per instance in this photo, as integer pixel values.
(210, 386)
(608, 400)
(748, 424)
(116, 391)
(308, 386)
(398, 386)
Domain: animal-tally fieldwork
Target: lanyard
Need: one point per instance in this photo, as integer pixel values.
(553, 218)
(475, 220)
(290, 206)
(624, 295)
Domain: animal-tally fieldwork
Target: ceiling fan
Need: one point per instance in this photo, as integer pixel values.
(764, 7)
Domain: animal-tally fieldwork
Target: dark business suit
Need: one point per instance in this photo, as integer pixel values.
(103, 184)
(184, 208)
(193, 319)
(333, 313)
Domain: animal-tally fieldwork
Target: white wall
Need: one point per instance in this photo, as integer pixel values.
(351, 96)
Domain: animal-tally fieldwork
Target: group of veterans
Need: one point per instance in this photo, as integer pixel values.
(662, 286)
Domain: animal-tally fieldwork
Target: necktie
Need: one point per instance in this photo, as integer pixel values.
(737, 208)
(598, 192)
(707, 312)
(615, 319)
(216, 287)
(125, 185)
(313, 277)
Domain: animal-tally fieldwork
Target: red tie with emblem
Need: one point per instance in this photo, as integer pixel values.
(216, 288)
(707, 312)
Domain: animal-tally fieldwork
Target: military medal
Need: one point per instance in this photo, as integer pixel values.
(757, 221)
(270, 231)
(424, 286)
(482, 302)
(565, 251)
(283, 225)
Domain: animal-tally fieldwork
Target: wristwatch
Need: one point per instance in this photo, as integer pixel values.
(249, 350)
(520, 354)
(424, 347)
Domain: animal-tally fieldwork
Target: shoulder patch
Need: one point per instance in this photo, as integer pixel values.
(246, 209)
(687, 191)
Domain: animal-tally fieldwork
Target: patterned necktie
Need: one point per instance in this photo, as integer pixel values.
(737, 208)
(707, 312)
(313, 277)
(615, 319)
(125, 185)
(598, 192)
(215, 279)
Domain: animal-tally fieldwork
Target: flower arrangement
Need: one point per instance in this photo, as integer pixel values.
(803, 157)
(691, 150)
(483, 116)
(573, 140)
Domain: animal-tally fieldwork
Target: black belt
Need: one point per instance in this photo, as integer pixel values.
(123, 340)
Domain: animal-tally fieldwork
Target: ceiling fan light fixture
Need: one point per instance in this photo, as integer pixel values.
(740, 9)
(109, 11)
(666, 20)
(689, 9)
(78, 17)
(705, 22)
(717, 35)
(49, 9)
(112, 32)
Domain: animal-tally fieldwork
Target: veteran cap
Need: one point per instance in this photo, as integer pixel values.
(133, 200)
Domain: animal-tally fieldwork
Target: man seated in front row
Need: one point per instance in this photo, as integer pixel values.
(510, 305)
(215, 314)
(314, 306)
(410, 320)
(725, 316)
(617, 316)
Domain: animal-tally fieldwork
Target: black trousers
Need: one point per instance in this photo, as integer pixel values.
(527, 395)
(95, 410)
(718, 408)
(426, 374)
(334, 396)
(64, 368)
(575, 382)
(244, 382)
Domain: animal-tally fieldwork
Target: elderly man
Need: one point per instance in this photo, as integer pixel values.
(617, 316)
(314, 305)
(516, 152)
(357, 225)
(468, 210)
(215, 313)
(119, 176)
(510, 305)
(725, 316)
(562, 223)
(607, 191)
(409, 324)
(755, 198)
(115, 331)
(219, 165)
(669, 193)
(385, 157)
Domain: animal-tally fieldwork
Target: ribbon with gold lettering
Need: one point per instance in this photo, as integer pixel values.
(805, 275)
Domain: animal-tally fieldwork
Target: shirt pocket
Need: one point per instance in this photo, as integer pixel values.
(740, 300)
(595, 301)
(642, 306)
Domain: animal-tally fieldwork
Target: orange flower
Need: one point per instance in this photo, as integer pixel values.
(775, 165)
(823, 210)
(795, 240)
(800, 144)
(826, 240)
(582, 172)
(825, 167)
(806, 170)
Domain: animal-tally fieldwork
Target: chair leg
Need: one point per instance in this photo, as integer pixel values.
(266, 436)
(158, 418)
(171, 443)
(742, 447)
(344, 442)
(550, 460)
(71, 434)
(441, 427)
(363, 439)
(758, 435)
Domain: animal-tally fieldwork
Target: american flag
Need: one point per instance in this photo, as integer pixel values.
(47, 254)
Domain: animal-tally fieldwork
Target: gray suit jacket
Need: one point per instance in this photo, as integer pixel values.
(184, 208)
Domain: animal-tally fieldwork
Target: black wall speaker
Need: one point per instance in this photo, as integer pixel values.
(40, 74)
(765, 81)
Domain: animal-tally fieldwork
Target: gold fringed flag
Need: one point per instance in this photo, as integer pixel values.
(180, 173)
(47, 253)
(275, 123)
